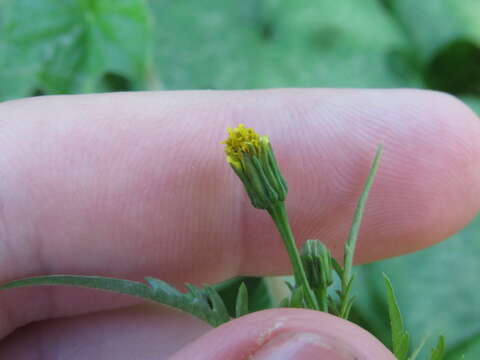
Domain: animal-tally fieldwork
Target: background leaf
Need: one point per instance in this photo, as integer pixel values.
(446, 36)
(437, 288)
(73, 46)
(253, 44)
(469, 348)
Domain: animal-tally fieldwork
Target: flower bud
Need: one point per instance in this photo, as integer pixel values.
(317, 261)
(251, 157)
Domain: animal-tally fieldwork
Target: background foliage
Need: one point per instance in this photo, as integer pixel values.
(79, 46)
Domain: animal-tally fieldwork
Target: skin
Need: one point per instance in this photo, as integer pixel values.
(135, 184)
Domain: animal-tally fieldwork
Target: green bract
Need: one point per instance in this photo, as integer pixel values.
(251, 157)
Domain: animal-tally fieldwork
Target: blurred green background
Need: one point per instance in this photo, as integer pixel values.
(82, 46)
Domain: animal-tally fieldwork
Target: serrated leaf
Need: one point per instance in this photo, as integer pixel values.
(400, 338)
(439, 350)
(204, 304)
(241, 305)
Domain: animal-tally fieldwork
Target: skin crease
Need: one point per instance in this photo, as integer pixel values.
(135, 184)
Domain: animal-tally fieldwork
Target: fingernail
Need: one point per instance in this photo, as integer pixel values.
(304, 345)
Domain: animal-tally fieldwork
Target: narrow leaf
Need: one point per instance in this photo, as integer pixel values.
(346, 301)
(259, 295)
(351, 242)
(337, 267)
(418, 349)
(285, 302)
(400, 338)
(290, 286)
(348, 308)
(241, 305)
(297, 298)
(332, 304)
(439, 350)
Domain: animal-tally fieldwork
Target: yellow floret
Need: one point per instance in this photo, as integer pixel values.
(242, 140)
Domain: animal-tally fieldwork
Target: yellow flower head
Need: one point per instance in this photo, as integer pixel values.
(251, 157)
(242, 140)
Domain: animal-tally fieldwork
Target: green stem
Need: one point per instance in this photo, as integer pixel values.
(352, 237)
(322, 299)
(280, 217)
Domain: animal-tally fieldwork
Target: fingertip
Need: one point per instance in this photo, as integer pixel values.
(287, 334)
(428, 183)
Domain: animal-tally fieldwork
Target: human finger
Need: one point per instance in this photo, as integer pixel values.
(135, 184)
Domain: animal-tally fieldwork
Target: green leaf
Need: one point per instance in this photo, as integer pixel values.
(297, 298)
(289, 286)
(200, 46)
(447, 41)
(217, 304)
(259, 295)
(285, 302)
(447, 271)
(418, 349)
(350, 244)
(337, 267)
(333, 305)
(346, 300)
(316, 259)
(348, 307)
(204, 304)
(73, 46)
(330, 44)
(468, 348)
(241, 307)
(400, 339)
(357, 217)
(439, 350)
(244, 45)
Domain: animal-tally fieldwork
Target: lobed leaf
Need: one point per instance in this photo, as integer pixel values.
(205, 304)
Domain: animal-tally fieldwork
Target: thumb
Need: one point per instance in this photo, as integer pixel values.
(286, 334)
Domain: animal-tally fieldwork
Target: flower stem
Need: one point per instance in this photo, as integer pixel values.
(280, 217)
